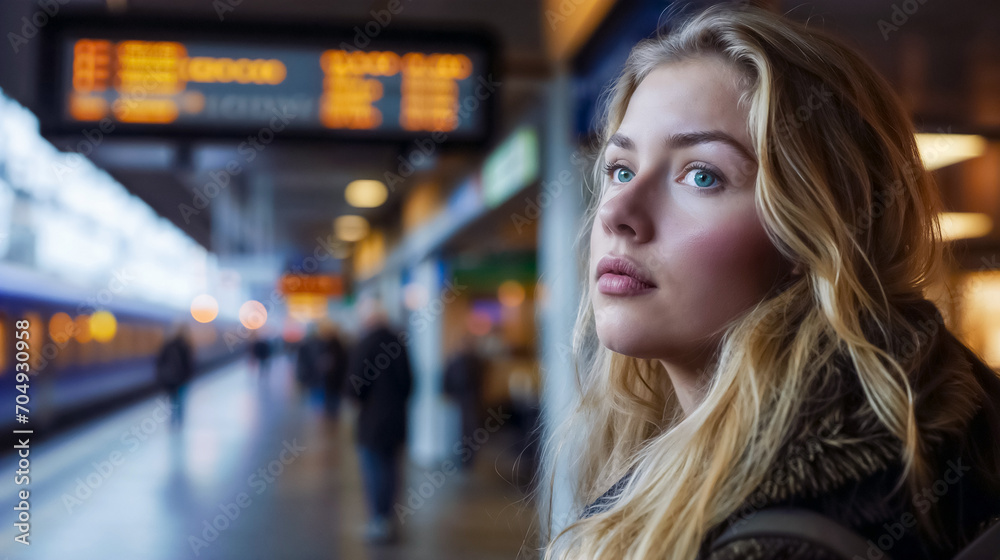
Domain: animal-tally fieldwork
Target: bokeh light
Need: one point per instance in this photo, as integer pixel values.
(103, 326)
(253, 315)
(204, 308)
(61, 328)
(350, 228)
(478, 323)
(510, 293)
(83, 329)
(293, 332)
(366, 193)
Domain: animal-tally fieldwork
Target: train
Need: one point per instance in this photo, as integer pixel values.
(74, 365)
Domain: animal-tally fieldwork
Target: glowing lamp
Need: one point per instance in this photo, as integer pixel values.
(940, 150)
(204, 308)
(253, 315)
(82, 323)
(103, 326)
(61, 328)
(964, 225)
(350, 228)
(366, 193)
(510, 293)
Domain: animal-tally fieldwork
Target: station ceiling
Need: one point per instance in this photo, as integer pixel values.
(308, 180)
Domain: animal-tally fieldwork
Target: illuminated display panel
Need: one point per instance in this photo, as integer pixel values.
(214, 84)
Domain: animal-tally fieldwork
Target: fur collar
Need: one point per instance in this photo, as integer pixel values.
(826, 457)
(841, 459)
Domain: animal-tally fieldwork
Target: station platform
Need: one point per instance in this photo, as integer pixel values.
(260, 453)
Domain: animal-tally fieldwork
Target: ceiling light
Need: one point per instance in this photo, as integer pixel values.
(964, 225)
(940, 150)
(366, 193)
(350, 228)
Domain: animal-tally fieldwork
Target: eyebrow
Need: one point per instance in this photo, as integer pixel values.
(686, 140)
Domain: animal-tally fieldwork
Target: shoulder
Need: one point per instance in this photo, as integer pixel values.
(790, 533)
(771, 548)
(369, 338)
(385, 334)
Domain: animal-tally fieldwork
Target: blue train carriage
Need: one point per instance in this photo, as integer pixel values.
(87, 356)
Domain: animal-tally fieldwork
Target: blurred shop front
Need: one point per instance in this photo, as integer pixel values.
(463, 266)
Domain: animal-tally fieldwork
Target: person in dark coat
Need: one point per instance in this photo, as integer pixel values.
(463, 383)
(261, 351)
(335, 369)
(310, 364)
(379, 378)
(174, 369)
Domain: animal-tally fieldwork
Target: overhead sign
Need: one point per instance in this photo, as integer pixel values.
(512, 166)
(319, 284)
(214, 82)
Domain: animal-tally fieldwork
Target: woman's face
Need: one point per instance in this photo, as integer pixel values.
(680, 204)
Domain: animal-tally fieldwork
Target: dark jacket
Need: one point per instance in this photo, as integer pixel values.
(380, 379)
(336, 364)
(463, 378)
(846, 468)
(309, 361)
(174, 364)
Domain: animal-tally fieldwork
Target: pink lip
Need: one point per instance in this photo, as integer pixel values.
(619, 285)
(622, 276)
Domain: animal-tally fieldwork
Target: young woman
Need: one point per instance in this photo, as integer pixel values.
(756, 331)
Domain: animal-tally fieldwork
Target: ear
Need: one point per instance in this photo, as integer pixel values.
(797, 271)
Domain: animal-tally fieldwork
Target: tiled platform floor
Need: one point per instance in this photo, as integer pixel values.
(104, 491)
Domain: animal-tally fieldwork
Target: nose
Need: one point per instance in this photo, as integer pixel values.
(626, 213)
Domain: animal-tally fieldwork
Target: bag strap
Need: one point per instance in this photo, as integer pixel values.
(802, 524)
(986, 547)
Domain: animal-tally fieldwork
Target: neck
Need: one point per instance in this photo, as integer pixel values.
(689, 379)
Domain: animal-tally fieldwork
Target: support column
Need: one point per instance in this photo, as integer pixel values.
(558, 272)
(261, 213)
(427, 441)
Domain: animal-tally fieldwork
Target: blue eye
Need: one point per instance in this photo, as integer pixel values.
(619, 172)
(623, 175)
(701, 178)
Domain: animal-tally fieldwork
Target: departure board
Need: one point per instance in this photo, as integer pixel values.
(215, 85)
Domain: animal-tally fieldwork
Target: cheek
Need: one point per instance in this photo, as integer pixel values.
(733, 263)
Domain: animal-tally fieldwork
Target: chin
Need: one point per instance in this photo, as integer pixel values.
(621, 343)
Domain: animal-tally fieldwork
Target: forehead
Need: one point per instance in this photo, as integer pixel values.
(691, 95)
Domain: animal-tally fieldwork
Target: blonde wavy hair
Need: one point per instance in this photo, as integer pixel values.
(841, 192)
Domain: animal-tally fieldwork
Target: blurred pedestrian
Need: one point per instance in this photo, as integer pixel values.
(379, 378)
(309, 363)
(335, 367)
(261, 352)
(463, 383)
(174, 369)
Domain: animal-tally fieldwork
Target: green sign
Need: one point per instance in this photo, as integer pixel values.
(511, 167)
